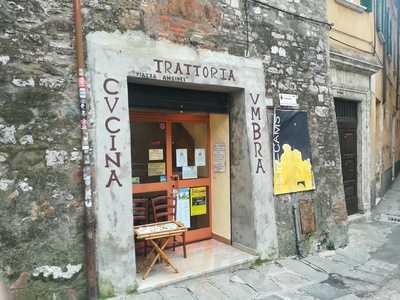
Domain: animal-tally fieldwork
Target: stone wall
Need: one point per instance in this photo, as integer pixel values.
(41, 213)
(295, 56)
(40, 183)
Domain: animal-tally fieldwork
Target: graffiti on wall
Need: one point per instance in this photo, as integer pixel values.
(291, 153)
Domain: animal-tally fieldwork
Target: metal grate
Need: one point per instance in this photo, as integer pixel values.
(346, 110)
(390, 218)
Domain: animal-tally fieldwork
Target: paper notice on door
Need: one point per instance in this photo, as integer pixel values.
(200, 157)
(156, 169)
(181, 158)
(183, 206)
(198, 201)
(156, 154)
(189, 172)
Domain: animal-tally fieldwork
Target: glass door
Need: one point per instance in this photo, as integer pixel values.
(170, 156)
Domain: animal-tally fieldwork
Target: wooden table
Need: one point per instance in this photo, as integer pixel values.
(159, 235)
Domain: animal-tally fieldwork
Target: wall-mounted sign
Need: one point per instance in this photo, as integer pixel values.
(156, 154)
(291, 153)
(288, 100)
(198, 201)
(155, 169)
(219, 158)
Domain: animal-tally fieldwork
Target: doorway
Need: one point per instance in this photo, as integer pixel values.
(346, 114)
(171, 156)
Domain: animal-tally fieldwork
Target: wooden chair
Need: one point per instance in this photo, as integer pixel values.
(141, 215)
(162, 211)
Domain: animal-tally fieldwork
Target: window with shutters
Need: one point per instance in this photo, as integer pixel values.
(367, 4)
(380, 13)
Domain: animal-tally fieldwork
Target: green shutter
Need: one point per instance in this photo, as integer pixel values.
(367, 4)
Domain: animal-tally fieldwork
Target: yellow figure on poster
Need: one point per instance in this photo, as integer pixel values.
(292, 173)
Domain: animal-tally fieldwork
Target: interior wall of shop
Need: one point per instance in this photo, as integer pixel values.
(220, 182)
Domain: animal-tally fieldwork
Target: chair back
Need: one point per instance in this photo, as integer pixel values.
(140, 211)
(161, 209)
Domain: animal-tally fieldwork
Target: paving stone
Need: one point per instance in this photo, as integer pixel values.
(296, 295)
(324, 291)
(290, 280)
(176, 292)
(271, 268)
(258, 281)
(230, 289)
(270, 297)
(348, 297)
(146, 296)
(378, 267)
(329, 266)
(301, 267)
(203, 290)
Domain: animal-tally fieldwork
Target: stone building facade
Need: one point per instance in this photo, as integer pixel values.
(364, 68)
(252, 51)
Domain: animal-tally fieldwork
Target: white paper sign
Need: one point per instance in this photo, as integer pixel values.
(288, 100)
(181, 158)
(156, 154)
(189, 172)
(219, 158)
(183, 206)
(200, 157)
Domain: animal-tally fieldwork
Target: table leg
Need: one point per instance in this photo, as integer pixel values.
(163, 255)
(157, 249)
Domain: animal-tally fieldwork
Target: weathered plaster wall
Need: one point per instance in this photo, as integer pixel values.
(41, 223)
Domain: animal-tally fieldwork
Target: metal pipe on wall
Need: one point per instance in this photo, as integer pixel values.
(90, 218)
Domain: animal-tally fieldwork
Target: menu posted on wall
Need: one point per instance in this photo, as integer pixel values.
(198, 201)
(183, 206)
(219, 158)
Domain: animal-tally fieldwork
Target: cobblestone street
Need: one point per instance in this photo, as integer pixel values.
(368, 268)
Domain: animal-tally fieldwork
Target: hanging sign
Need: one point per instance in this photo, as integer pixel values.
(183, 206)
(198, 201)
(291, 152)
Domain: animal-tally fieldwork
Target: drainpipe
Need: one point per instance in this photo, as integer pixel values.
(90, 224)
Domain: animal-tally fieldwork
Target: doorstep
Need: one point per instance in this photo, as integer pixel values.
(203, 258)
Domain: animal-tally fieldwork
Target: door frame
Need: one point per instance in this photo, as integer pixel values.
(170, 184)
